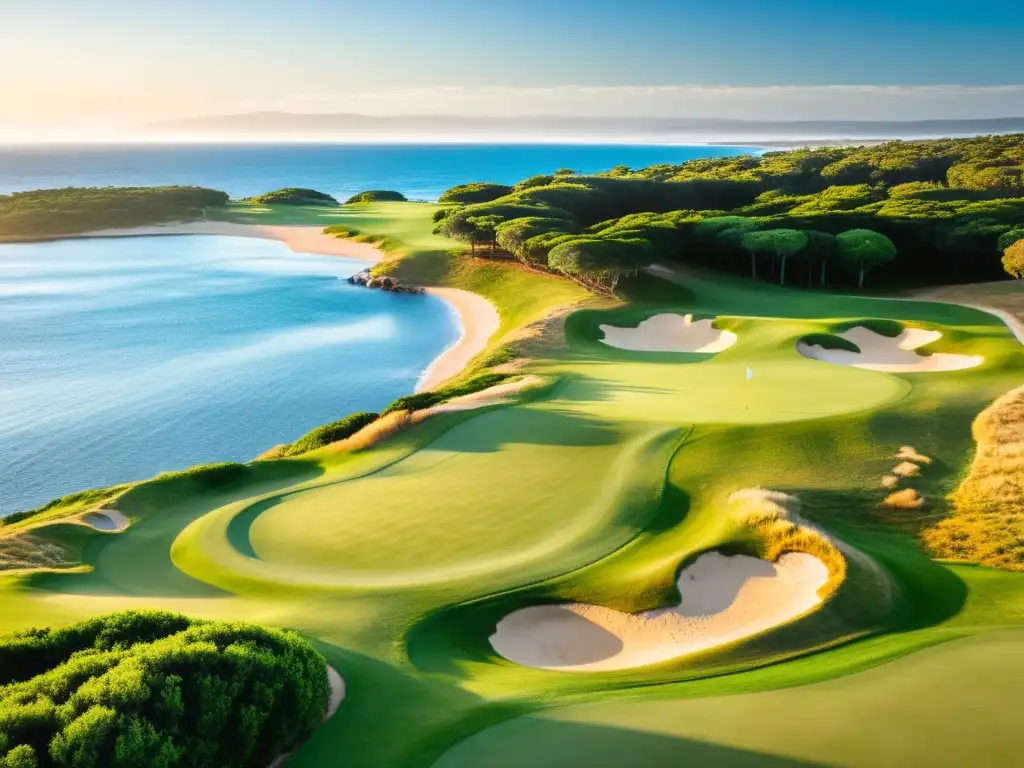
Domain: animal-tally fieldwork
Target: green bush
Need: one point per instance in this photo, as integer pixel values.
(481, 192)
(152, 688)
(331, 433)
(293, 196)
(377, 196)
(210, 475)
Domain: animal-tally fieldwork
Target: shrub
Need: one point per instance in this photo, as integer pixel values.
(149, 687)
(331, 433)
(210, 475)
(292, 196)
(479, 192)
(377, 196)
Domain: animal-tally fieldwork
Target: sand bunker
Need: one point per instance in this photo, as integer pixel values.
(725, 599)
(496, 395)
(106, 520)
(891, 354)
(669, 333)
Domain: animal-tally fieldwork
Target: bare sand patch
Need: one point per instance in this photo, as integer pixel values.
(724, 599)
(908, 498)
(896, 354)
(909, 453)
(105, 520)
(906, 469)
(669, 333)
(479, 321)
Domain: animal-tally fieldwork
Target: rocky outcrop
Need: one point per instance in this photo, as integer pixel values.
(384, 283)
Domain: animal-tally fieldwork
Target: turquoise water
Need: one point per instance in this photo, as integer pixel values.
(421, 172)
(124, 357)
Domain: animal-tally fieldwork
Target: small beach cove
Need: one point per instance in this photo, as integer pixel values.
(130, 352)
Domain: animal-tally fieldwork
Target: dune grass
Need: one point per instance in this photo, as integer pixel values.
(987, 521)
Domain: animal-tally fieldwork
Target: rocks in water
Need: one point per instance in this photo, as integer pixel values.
(384, 283)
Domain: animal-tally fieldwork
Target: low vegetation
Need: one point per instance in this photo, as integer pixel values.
(151, 688)
(73, 210)
(292, 196)
(377, 196)
(330, 433)
(987, 525)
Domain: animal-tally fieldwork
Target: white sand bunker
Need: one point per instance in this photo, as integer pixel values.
(891, 354)
(669, 333)
(725, 599)
(106, 520)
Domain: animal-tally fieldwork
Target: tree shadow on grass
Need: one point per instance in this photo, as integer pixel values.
(534, 741)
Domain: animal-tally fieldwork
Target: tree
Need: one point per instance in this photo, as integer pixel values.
(598, 263)
(864, 249)
(820, 249)
(479, 192)
(484, 230)
(513, 235)
(1013, 260)
(781, 243)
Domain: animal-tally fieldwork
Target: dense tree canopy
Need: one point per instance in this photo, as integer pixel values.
(293, 196)
(941, 210)
(480, 192)
(148, 688)
(72, 210)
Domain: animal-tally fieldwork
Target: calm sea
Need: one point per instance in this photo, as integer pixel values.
(421, 172)
(124, 357)
(120, 358)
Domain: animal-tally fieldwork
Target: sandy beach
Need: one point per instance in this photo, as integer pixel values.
(478, 317)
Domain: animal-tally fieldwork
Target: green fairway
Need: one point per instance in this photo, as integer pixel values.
(951, 705)
(398, 561)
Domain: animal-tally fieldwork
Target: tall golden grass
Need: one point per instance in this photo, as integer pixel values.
(775, 519)
(381, 429)
(987, 521)
(908, 498)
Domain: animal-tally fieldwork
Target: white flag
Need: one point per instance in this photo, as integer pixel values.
(750, 374)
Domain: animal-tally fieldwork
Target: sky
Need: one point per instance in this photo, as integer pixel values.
(81, 65)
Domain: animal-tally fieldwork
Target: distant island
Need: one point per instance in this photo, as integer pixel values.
(571, 127)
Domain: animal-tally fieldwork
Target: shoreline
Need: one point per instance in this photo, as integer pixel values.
(477, 317)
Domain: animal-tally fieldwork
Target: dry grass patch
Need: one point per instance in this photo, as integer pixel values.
(775, 519)
(908, 498)
(379, 430)
(906, 469)
(987, 524)
(890, 481)
(909, 453)
(21, 552)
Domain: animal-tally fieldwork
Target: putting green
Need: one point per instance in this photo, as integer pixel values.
(951, 705)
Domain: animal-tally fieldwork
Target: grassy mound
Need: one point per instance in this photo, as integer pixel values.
(881, 326)
(292, 196)
(830, 341)
(154, 688)
(377, 196)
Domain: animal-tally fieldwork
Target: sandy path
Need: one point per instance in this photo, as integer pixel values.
(478, 318)
(725, 599)
(890, 354)
(669, 333)
(495, 395)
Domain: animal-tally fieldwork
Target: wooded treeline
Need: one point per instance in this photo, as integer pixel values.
(915, 212)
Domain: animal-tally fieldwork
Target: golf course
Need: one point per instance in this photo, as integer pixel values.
(691, 519)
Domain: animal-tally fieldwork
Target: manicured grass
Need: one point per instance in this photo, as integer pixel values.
(397, 561)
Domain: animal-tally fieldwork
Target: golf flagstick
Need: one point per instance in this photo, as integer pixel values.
(750, 375)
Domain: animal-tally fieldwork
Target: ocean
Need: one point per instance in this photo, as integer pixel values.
(124, 357)
(421, 172)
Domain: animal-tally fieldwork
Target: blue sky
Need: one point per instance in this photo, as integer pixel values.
(80, 60)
